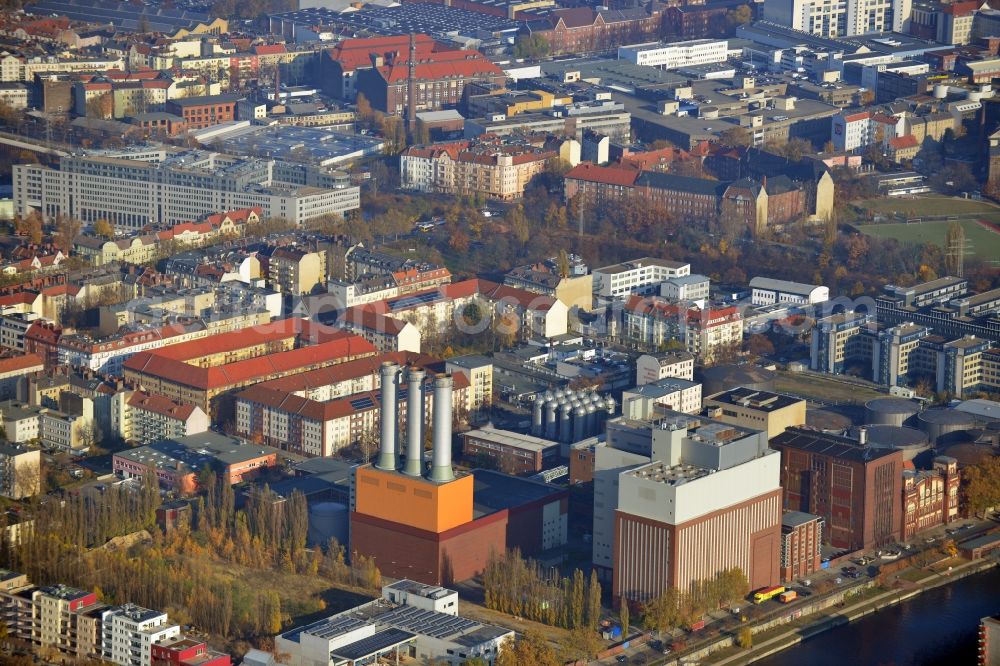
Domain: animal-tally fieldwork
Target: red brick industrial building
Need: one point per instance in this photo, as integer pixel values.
(439, 79)
(205, 110)
(580, 30)
(801, 539)
(855, 489)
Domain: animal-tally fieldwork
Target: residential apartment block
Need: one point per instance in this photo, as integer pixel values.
(705, 333)
(129, 632)
(487, 166)
(801, 545)
(844, 19)
(141, 417)
(651, 368)
(20, 471)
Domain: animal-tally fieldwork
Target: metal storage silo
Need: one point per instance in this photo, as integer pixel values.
(550, 418)
(579, 423)
(566, 422)
(538, 417)
(890, 411)
(944, 425)
(327, 520)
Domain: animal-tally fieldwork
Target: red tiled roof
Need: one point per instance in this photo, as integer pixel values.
(528, 300)
(448, 64)
(256, 335)
(160, 404)
(355, 53)
(908, 141)
(241, 373)
(20, 298)
(609, 175)
(269, 49)
(22, 362)
(367, 316)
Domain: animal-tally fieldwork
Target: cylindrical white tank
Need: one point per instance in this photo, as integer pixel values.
(579, 423)
(551, 418)
(327, 520)
(940, 91)
(591, 420)
(538, 417)
(566, 422)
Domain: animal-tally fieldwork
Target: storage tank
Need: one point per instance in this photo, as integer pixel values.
(940, 91)
(725, 377)
(943, 425)
(579, 423)
(827, 421)
(910, 441)
(566, 422)
(550, 418)
(591, 420)
(538, 417)
(890, 411)
(327, 520)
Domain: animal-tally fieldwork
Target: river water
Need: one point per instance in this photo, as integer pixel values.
(937, 628)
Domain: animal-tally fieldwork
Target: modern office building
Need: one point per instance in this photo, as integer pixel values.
(667, 488)
(674, 55)
(135, 188)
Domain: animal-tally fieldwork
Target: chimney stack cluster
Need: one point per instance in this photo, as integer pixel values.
(441, 470)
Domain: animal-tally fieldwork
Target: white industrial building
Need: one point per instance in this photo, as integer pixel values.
(768, 291)
(639, 276)
(137, 187)
(682, 395)
(687, 288)
(679, 498)
(675, 55)
(410, 620)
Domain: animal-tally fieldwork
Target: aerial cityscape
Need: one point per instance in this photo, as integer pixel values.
(499, 332)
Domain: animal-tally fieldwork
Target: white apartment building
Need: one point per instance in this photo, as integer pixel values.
(859, 129)
(144, 417)
(132, 189)
(674, 55)
(128, 633)
(843, 18)
(651, 368)
(639, 276)
(768, 291)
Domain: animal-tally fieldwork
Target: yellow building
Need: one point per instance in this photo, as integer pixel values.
(759, 410)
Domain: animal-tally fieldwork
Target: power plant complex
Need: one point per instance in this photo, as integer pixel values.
(420, 520)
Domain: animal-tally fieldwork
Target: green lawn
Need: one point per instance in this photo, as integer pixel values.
(938, 205)
(982, 243)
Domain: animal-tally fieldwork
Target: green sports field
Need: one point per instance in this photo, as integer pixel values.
(982, 242)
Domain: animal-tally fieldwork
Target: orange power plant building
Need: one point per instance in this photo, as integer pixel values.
(430, 524)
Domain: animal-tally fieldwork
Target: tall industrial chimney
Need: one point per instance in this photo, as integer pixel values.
(387, 452)
(415, 423)
(441, 468)
(411, 87)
